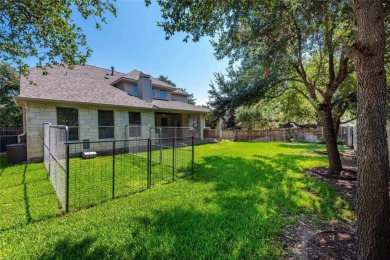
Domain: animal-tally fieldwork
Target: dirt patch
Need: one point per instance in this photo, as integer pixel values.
(310, 240)
(332, 245)
(327, 240)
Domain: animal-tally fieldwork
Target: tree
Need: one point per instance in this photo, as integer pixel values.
(45, 29)
(275, 43)
(10, 114)
(295, 108)
(373, 206)
(190, 99)
(166, 80)
(257, 116)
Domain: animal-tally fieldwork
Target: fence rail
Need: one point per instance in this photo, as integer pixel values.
(147, 131)
(280, 135)
(119, 167)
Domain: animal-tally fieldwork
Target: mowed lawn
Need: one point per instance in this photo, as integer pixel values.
(234, 206)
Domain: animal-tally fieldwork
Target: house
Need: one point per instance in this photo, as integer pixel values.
(98, 104)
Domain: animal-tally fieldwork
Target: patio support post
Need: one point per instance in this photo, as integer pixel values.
(200, 125)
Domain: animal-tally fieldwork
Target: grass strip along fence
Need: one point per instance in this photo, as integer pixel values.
(120, 168)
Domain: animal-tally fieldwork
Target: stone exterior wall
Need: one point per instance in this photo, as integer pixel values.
(38, 113)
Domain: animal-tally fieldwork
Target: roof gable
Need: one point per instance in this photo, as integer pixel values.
(81, 84)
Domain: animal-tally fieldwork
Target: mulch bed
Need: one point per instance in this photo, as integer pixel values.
(332, 245)
(328, 240)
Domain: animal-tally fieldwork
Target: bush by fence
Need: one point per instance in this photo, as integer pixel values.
(120, 168)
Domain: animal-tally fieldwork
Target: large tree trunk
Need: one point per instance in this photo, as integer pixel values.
(373, 213)
(335, 166)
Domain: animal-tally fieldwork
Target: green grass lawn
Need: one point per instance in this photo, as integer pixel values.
(234, 206)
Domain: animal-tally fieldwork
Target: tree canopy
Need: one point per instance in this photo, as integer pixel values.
(258, 116)
(274, 46)
(46, 30)
(10, 114)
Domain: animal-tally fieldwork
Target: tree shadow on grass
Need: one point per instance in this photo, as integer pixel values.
(3, 164)
(243, 213)
(308, 146)
(26, 196)
(80, 249)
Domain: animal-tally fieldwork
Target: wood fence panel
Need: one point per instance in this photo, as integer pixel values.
(274, 135)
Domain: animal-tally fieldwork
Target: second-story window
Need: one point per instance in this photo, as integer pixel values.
(163, 94)
(106, 124)
(153, 92)
(134, 90)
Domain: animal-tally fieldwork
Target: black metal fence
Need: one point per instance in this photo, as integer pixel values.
(123, 167)
(88, 173)
(8, 136)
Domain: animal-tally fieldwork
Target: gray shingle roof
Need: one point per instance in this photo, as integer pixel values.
(180, 92)
(85, 84)
(177, 105)
(134, 75)
(89, 84)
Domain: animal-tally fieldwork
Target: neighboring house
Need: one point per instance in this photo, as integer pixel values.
(98, 104)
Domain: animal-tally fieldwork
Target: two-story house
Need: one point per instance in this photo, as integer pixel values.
(98, 104)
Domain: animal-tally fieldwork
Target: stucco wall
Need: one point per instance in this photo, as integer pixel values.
(39, 113)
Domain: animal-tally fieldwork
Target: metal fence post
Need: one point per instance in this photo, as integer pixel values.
(149, 171)
(49, 150)
(193, 155)
(67, 180)
(173, 159)
(113, 169)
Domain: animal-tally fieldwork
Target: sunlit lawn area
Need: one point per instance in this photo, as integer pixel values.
(234, 206)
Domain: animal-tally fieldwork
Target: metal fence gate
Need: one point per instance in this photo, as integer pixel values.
(119, 167)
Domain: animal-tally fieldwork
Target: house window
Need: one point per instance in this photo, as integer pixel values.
(135, 124)
(153, 92)
(134, 118)
(134, 90)
(106, 124)
(70, 117)
(163, 94)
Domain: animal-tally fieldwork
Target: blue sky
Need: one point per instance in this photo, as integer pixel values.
(132, 40)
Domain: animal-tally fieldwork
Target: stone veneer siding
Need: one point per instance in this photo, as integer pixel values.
(38, 113)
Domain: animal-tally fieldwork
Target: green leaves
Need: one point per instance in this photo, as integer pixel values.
(45, 30)
(10, 114)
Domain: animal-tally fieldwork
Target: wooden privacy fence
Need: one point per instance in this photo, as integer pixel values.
(276, 135)
(211, 133)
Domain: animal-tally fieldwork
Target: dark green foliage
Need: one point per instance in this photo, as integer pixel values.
(258, 116)
(46, 30)
(10, 113)
(166, 80)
